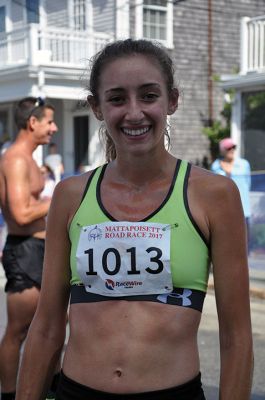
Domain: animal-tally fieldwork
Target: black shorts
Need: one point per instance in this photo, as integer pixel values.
(71, 390)
(23, 262)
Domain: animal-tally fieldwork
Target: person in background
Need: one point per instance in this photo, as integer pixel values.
(2, 233)
(130, 243)
(54, 161)
(49, 181)
(24, 213)
(237, 169)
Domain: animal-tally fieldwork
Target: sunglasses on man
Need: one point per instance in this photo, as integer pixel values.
(40, 101)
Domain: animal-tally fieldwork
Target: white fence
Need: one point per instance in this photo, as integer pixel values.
(253, 44)
(34, 46)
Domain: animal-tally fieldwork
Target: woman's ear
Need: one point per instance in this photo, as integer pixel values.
(95, 107)
(173, 101)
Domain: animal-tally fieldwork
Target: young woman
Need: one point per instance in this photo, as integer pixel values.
(130, 243)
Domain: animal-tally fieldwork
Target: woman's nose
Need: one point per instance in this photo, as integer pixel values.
(134, 111)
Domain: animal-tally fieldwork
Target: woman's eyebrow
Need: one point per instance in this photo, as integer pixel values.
(145, 85)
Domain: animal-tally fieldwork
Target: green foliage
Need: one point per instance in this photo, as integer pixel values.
(219, 128)
(256, 100)
(216, 132)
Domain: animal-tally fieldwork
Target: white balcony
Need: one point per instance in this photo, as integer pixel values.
(33, 45)
(253, 45)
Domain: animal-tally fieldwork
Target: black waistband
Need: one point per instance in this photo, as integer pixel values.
(179, 296)
(68, 389)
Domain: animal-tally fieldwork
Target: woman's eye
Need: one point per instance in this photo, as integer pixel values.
(150, 96)
(116, 100)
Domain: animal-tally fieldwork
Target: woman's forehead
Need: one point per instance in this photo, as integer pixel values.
(135, 68)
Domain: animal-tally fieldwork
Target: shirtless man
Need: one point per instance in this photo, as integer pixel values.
(24, 212)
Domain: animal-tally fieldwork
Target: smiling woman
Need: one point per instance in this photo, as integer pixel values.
(149, 91)
(139, 233)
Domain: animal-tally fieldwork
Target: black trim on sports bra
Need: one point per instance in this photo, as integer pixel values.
(150, 215)
(189, 298)
(89, 181)
(85, 191)
(186, 203)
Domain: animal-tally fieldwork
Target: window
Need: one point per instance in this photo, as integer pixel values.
(33, 14)
(154, 20)
(253, 128)
(81, 141)
(79, 15)
(3, 124)
(2, 19)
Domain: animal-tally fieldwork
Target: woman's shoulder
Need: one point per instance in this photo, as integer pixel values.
(71, 189)
(212, 184)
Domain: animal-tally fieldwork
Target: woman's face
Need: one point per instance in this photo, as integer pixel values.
(134, 103)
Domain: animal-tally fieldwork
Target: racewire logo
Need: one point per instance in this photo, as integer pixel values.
(111, 285)
(95, 234)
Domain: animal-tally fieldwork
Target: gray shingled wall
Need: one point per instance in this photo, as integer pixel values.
(191, 59)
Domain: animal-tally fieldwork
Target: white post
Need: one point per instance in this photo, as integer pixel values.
(262, 45)
(244, 47)
(236, 133)
(33, 44)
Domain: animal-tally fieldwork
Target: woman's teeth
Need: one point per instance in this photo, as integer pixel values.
(135, 132)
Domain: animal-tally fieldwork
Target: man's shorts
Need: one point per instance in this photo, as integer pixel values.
(23, 262)
(71, 390)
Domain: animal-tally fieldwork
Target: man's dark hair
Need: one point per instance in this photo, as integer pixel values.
(28, 107)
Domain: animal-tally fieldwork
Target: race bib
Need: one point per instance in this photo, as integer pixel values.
(125, 258)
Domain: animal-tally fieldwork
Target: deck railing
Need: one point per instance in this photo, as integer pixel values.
(253, 44)
(33, 45)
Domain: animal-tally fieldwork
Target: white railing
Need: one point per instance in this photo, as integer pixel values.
(55, 47)
(252, 44)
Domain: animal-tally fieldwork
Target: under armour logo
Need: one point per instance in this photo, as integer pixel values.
(184, 296)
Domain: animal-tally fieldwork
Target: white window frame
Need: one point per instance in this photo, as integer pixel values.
(80, 16)
(88, 16)
(169, 22)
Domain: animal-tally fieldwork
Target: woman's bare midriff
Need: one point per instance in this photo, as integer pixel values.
(137, 346)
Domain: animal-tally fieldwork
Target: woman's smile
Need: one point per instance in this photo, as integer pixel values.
(136, 131)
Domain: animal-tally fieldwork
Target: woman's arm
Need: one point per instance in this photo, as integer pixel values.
(47, 332)
(231, 281)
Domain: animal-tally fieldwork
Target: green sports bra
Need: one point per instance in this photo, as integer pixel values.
(188, 249)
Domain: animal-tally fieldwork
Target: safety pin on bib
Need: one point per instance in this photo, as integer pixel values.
(171, 226)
